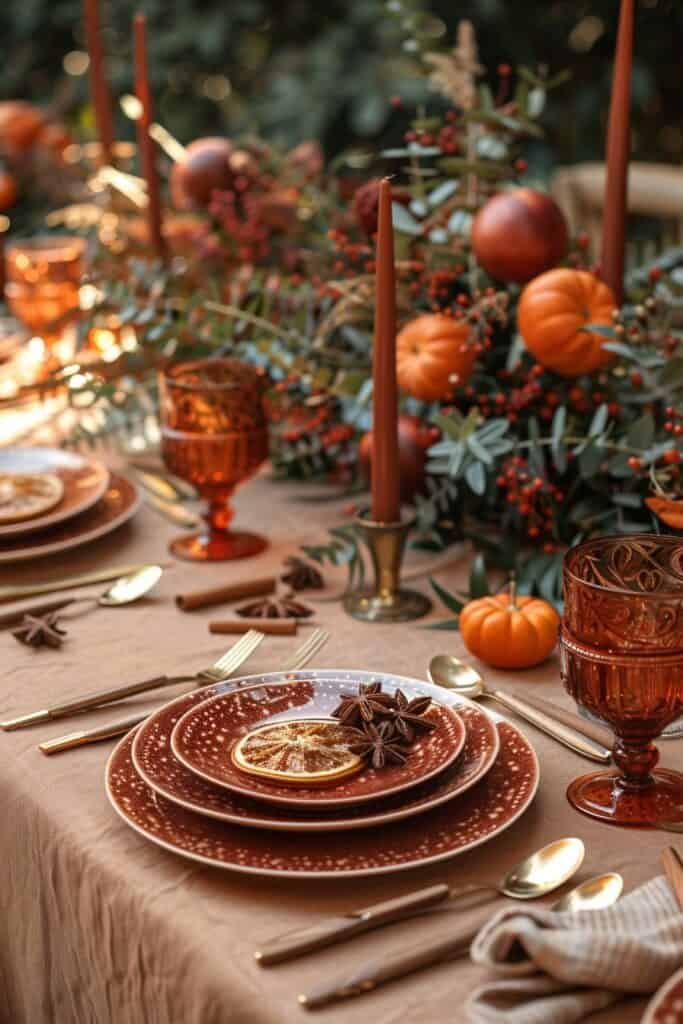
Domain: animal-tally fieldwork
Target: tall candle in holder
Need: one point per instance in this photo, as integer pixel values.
(145, 141)
(384, 531)
(617, 156)
(386, 501)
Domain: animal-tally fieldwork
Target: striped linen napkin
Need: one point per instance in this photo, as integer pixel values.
(562, 967)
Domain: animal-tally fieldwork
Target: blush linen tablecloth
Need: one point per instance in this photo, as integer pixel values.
(98, 926)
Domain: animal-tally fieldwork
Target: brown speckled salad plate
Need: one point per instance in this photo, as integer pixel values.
(477, 816)
(120, 501)
(666, 1006)
(156, 764)
(202, 740)
(84, 479)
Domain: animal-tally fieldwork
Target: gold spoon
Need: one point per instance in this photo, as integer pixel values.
(124, 590)
(452, 674)
(536, 875)
(594, 894)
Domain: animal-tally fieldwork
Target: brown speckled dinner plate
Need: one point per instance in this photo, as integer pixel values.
(119, 502)
(155, 762)
(477, 816)
(84, 479)
(204, 736)
(666, 1006)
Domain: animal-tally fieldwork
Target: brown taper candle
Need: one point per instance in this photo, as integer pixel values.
(223, 595)
(386, 501)
(99, 88)
(271, 627)
(145, 142)
(617, 154)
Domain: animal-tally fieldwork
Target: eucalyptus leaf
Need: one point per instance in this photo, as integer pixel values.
(403, 221)
(479, 584)
(449, 600)
(475, 476)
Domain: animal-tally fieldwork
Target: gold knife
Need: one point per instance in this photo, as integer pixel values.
(84, 736)
(344, 926)
(16, 593)
(673, 866)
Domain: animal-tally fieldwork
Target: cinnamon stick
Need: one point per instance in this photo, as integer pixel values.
(272, 627)
(222, 595)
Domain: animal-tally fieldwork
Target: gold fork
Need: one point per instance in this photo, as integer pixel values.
(299, 659)
(225, 666)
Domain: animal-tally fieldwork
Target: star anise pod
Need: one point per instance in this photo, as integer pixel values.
(360, 707)
(380, 745)
(301, 575)
(286, 607)
(407, 716)
(40, 631)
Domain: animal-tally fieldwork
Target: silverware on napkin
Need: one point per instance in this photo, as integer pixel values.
(535, 875)
(222, 668)
(594, 894)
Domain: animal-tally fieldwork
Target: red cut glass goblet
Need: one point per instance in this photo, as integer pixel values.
(621, 650)
(214, 433)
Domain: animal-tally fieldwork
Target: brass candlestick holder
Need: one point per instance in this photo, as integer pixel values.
(386, 601)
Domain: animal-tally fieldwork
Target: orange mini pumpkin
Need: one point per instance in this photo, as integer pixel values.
(433, 356)
(553, 311)
(507, 631)
(668, 510)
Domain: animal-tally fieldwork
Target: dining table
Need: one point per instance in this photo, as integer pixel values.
(100, 926)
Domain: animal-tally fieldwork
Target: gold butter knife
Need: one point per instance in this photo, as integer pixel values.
(16, 593)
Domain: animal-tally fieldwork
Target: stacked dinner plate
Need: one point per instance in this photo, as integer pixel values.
(202, 777)
(52, 500)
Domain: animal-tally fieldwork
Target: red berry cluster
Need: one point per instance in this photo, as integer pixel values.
(532, 497)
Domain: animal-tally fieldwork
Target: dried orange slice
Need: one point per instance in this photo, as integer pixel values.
(301, 751)
(25, 495)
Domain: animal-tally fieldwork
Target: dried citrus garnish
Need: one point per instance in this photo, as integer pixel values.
(302, 751)
(25, 495)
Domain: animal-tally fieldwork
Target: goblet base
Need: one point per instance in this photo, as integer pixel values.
(602, 795)
(400, 606)
(218, 547)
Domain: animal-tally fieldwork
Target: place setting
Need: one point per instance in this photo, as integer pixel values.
(341, 515)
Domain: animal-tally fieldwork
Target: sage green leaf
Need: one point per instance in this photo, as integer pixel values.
(479, 584)
(475, 476)
(450, 600)
(642, 431)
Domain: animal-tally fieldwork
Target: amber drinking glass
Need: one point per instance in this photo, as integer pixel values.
(214, 433)
(43, 278)
(621, 650)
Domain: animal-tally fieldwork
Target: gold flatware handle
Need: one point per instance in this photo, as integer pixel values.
(378, 972)
(336, 929)
(88, 701)
(564, 734)
(600, 733)
(12, 619)
(85, 736)
(673, 867)
(177, 514)
(16, 593)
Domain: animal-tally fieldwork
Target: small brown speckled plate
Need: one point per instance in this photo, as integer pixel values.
(85, 481)
(156, 764)
(119, 502)
(666, 1006)
(474, 818)
(203, 738)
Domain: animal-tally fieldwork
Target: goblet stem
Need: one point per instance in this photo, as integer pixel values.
(636, 760)
(219, 513)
